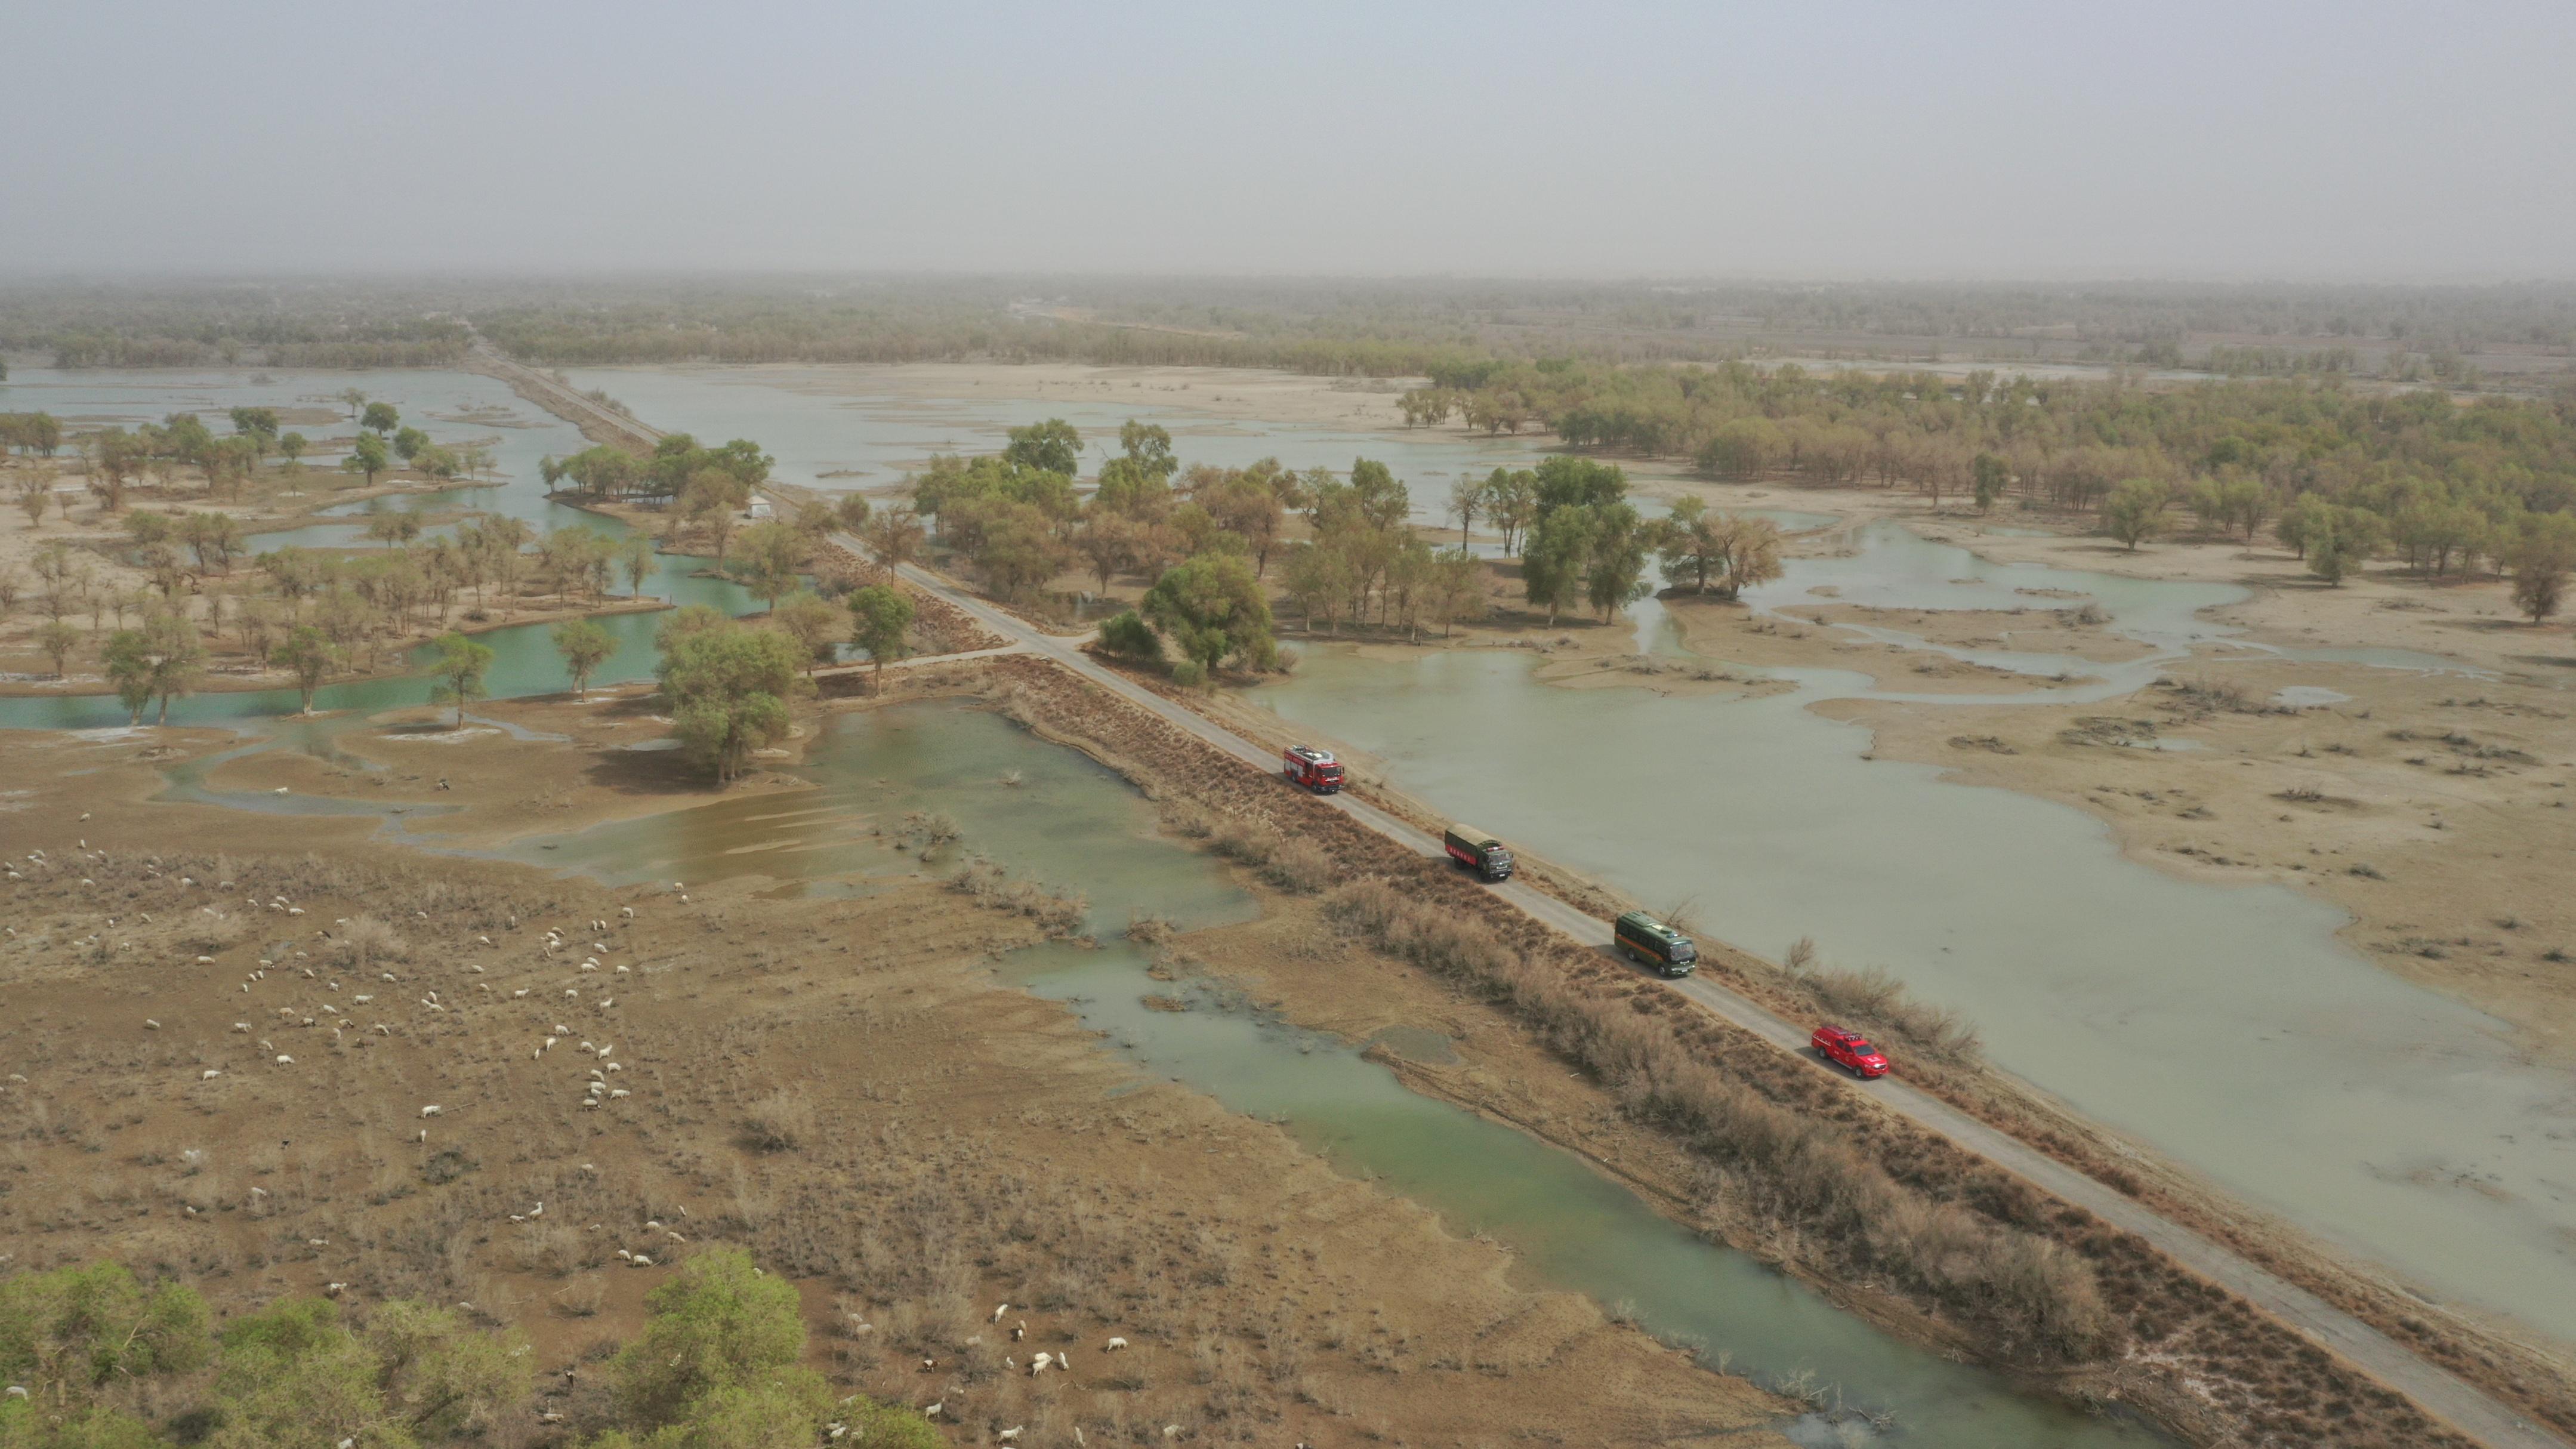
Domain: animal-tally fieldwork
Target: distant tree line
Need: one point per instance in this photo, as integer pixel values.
(1340, 327)
(2411, 475)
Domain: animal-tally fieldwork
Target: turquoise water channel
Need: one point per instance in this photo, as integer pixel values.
(1054, 815)
(2225, 1025)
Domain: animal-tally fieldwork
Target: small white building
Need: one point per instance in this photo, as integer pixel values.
(759, 508)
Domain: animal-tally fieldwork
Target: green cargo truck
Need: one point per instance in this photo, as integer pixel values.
(1479, 851)
(1652, 943)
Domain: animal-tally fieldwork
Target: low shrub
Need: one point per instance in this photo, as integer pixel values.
(1130, 637)
(2033, 1298)
(780, 1122)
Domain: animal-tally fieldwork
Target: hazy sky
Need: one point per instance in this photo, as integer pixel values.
(2249, 139)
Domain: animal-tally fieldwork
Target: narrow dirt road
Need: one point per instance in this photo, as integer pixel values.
(2463, 1405)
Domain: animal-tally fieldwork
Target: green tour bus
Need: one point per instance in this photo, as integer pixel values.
(1655, 944)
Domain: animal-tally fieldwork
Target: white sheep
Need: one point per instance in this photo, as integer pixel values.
(1040, 1364)
(1010, 1435)
(431, 1110)
(208, 1075)
(150, 1025)
(284, 1060)
(643, 1262)
(1113, 1345)
(998, 1312)
(335, 1289)
(930, 1413)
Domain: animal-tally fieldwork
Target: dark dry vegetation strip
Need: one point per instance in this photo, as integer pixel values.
(1795, 1166)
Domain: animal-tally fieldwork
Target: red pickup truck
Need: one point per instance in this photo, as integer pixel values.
(1849, 1049)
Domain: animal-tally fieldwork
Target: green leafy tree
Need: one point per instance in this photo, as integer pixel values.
(1052, 446)
(1319, 577)
(1564, 481)
(852, 512)
(70, 1334)
(1988, 477)
(879, 616)
(729, 687)
(393, 526)
(895, 538)
(163, 659)
(1131, 489)
(1211, 609)
(458, 669)
(2539, 562)
(1556, 559)
(58, 639)
(635, 555)
(1149, 447)
(584, 645)
(768, 557)
(356, 401)
(115, 457)
(291, 446)
(408, 443)
(368, 455)
(1511, 502)
(1456, 588)
(1614, 575)
(2135, 511)
(1015, 544)
(380, 418)
(295, 1374)
(815, 623)
(130, 668)
(1466, 500)
(719, 1324)
(1382, 500)
(260, 423)
(1742, 448)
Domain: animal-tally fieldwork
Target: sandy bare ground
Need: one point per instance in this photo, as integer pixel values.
(1269, 397)
(840, 1085)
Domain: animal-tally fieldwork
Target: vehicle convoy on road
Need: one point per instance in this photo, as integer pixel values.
(1312, 768)
(1479, 851)
(1650, 942)
(1849, 1050)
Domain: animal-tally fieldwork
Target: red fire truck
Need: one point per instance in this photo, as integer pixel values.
(1312, 768)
